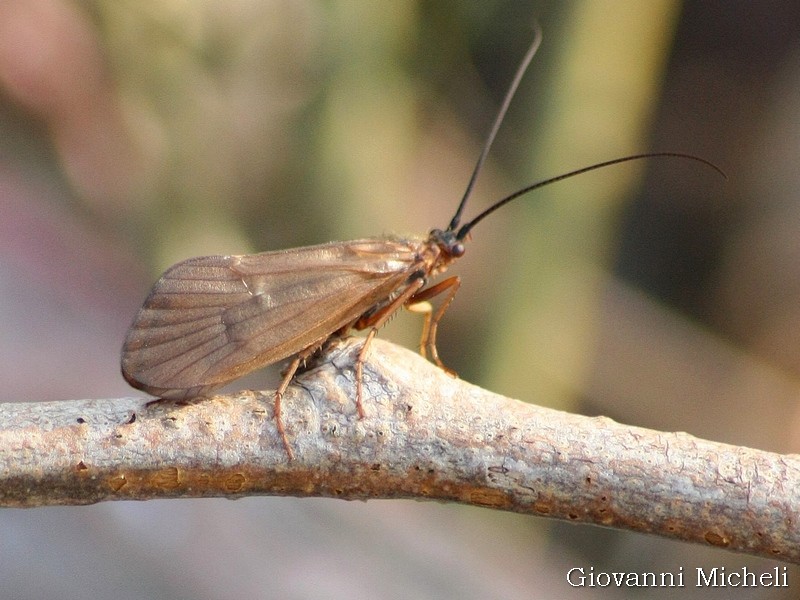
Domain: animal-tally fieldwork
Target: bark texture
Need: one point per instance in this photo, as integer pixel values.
(426, 436)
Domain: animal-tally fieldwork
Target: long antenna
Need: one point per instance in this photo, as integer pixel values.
(537, 39)
(464, 231)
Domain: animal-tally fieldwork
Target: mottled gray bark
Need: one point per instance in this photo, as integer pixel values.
(425, 435)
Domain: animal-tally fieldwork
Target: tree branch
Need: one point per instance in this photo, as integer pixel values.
(426, 435)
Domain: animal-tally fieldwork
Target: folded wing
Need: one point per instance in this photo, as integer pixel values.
(210, 320)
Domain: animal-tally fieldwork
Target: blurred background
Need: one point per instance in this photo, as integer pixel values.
(137, 134)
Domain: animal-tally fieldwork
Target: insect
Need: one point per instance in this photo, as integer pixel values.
(211, 320)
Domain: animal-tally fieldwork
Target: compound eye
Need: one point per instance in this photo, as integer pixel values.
(457, 250)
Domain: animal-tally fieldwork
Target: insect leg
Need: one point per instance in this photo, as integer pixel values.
(431, 325)
(362, 356)
(426, 309)
(375, 321)
(287, 378)
(288, 375)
